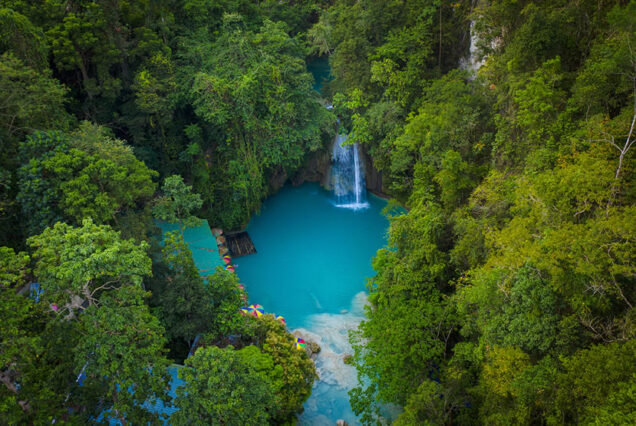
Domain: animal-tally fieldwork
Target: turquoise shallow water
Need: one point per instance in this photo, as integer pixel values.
(312, 257)
(321, 71)
(312, 264)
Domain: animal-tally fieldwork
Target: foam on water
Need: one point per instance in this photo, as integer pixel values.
(353, 206)
(329, 398)
(347, 175)
(311, 266)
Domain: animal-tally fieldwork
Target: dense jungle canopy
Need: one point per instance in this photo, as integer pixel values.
(505, 295)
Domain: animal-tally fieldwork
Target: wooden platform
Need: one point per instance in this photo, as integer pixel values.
(240, 244)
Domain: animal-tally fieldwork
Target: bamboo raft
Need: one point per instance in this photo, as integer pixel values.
(240, 244)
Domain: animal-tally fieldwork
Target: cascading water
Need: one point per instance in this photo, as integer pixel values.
(472, 63)
(347, 175)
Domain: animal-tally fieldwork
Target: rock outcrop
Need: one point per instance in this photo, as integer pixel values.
(373, 177)
(316, 169)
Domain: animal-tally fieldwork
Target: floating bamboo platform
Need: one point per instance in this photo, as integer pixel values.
(240, 244)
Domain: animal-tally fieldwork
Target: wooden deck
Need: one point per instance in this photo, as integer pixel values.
(240, 244)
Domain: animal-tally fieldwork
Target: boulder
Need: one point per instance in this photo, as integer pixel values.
(313, 348)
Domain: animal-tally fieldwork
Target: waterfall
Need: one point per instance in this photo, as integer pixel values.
(347, 175)
(472, 63)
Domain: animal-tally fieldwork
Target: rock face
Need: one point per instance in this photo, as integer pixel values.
(313, 348)
(373, 177)
(341, 423)
(316, 169)
(277, 180)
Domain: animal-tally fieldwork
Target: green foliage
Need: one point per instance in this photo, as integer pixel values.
(226, 299)
(406, 293)
(122, 349)
(319, 36)
(606, 79)
(265, 367)
(76, 265)
(187, 305)
(523, 313)
(453, 179)
(502, 368)
(108, 342)
(516, 252)
(84, 174)
(32, 360)
(180, 299)
(177, 203)
(19, 36)
(33, 99)
(223, 386)
(99, 43)
(506, 294)
(437, 402)
(38, 193)
(298, 370)
(253, 89)
(597, 385)
(13, 267)
(15, 313)
(390, 48)
(154, 86)
(453, 116)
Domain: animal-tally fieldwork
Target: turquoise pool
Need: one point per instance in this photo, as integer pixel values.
(311, 266)
(321, 71)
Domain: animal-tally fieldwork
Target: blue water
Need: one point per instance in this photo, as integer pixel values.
(321, 71)
(312, 257)
(311, 266)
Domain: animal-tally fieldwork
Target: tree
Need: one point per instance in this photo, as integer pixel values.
(121, 347)
(437, 402)
(320, 36)
(226, 298)
(38, 192)
(608, 79)
(593, 380)
(389, 48)
(34, 350)
(177, 203)
(524, 313)
(273, 373)
(86, 173)
(298, 370)
(252, 92)
(442, 144)
(112, 180)
(20, 37)
(97, 46)
(406, 333)
(16, 340)
(222, 387)
(31, 100)
(502, 368)
(75, 265)
(155, 89)
(181, 301)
